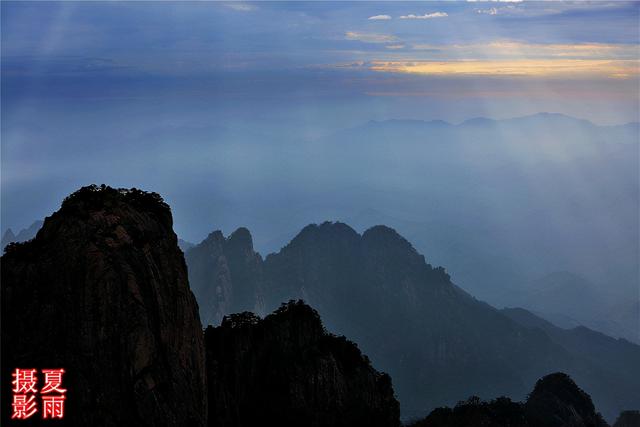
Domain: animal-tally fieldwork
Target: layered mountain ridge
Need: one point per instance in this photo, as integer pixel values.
(372, 285)
(102, 291)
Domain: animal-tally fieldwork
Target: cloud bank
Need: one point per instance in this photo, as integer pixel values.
(426, 16)
(379, 18)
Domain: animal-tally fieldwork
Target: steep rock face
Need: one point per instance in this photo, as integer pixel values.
(556, 401)
(102, 291)
(286, 370)
(225, 275)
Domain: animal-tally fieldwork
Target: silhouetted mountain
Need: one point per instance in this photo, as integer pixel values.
(286, 370)
(225, 275)
(437, 342)
(628, 419)
(462, 184)
(541, 128)
(535, 124)
(500, 412)
(102, 292)
(556, 401)
(8, 237)
(554, 295)
(24, 234)
(618, 356)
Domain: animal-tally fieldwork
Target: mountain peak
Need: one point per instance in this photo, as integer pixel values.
(8, 237)
(325, 231)
(8, 234)
(556, 401)
(287, 370)
(102, 289)
(94, 198)
(22, 236)
(215, 236)
(384, 232)
(241, 238)
(296, 312)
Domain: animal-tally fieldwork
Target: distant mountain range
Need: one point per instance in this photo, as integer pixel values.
(569, 300)
(538, 129)
(23, 235)
(615, 355)
(518, 200)
(550, 192)
(548, 119)
(370, 286)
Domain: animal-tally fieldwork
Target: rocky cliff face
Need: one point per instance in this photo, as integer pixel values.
(102, 291)
(556, 401)
(225, 275)
(286, 370)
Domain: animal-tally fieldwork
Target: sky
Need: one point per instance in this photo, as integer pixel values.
(494, 55)
(88, 88)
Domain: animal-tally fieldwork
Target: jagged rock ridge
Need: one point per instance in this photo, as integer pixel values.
(286, 370)
(226, 275)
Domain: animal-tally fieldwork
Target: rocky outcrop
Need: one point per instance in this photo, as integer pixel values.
(286, 370)
(102, 292)
(225, 275)
(556, 401)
